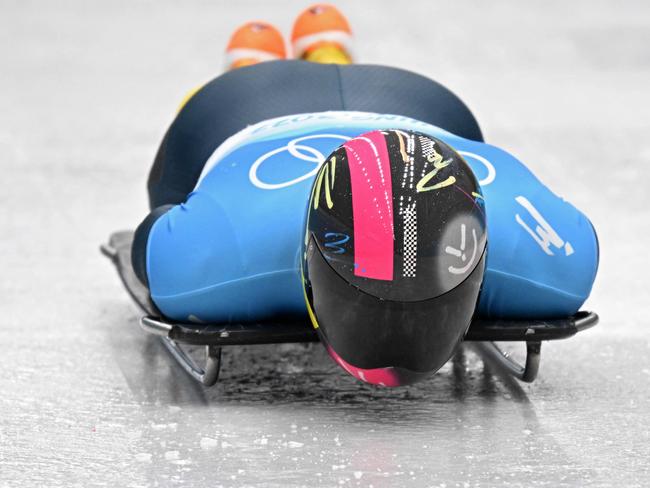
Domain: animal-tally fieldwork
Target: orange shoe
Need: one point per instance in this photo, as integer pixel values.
(253, 43)
(322, 34)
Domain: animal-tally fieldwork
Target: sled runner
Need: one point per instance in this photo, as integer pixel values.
(216, 336)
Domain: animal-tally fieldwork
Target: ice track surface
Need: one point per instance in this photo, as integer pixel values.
(88, 399)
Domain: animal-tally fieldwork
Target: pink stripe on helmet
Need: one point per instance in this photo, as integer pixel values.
(377, 376)
(372, 205)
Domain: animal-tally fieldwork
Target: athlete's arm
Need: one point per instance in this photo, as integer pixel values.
(140, 241)
(178, 250)
(542, 251)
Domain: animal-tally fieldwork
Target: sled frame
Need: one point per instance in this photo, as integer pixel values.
(213, 337)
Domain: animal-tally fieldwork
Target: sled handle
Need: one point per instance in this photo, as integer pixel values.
(109, 251)
(155, 327)
(585, 320)
(208, 375)
(526, 373)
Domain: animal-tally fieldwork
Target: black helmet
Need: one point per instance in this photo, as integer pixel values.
(394, 255)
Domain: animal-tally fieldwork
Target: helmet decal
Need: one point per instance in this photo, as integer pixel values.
(410, 217)
(376, 376)
(372, 206)
(434, 157)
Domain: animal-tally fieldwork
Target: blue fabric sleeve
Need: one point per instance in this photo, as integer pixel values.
(140, 240)
(542, 251)
(203, 267)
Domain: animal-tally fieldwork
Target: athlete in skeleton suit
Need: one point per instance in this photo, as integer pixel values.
(231, 182)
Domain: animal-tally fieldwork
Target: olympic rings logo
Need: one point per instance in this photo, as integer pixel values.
(310, 154)
(492, 172)
(299, 151)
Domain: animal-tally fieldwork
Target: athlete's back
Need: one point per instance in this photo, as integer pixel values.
(246, 96)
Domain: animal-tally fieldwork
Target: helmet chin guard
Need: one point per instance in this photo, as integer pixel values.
(394, 255)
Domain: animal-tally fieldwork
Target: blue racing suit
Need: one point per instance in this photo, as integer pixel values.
(232, 250)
